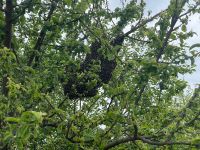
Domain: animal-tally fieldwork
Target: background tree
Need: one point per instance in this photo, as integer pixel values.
(77, 75)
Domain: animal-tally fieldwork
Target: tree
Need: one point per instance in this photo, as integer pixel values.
(77, 75)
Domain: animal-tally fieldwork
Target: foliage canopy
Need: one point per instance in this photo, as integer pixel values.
(78, 75)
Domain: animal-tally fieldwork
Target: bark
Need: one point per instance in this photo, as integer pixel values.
(7, 40)
(40, 39)
(147, 141)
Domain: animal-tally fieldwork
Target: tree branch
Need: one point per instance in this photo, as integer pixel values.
(41, 36)
(144, 140)
(118, 142)
(142, 23)
(123, 140)
(182, 114)
(25, 4)
(147, 141)
(7, 40)
(190, 10)
(174, 20)
(8, 25)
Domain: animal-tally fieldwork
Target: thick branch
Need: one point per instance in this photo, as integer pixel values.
(7, 40)
(8, 26)
(147, 141)
(118, 142)
(174, 20)
(143, 139)
(41, 36)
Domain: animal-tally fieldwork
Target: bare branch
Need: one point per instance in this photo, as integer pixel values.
(137, 39)
(189, 10)
(142, 23)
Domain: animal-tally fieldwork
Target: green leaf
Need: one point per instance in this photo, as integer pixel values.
(68, 2)
(184, 28)
(196, 141)
(173, 37)
(33, 117)
(12, 119)
(38, 115)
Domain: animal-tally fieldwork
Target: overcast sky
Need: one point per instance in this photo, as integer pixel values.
(194, 23)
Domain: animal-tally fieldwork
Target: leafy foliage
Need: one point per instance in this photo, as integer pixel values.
(77, 75)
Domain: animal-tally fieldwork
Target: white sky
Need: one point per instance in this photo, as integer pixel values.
(194, 24)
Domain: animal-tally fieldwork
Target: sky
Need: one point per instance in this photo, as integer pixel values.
(157, 5)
